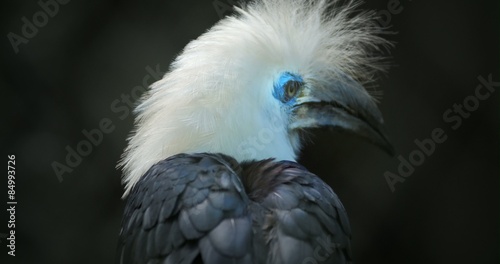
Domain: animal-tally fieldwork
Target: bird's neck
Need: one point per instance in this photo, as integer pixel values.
(265, 143)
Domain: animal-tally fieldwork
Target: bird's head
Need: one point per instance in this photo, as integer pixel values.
(248, 86)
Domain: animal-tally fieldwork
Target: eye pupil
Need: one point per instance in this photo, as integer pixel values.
(291, 89)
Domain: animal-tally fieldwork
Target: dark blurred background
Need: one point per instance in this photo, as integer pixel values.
(65, 78)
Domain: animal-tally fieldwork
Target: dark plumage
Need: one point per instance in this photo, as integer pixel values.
(208, 207)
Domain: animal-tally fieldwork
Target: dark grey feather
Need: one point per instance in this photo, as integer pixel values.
(209, 208)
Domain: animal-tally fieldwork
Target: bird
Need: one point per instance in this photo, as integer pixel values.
(210, 172)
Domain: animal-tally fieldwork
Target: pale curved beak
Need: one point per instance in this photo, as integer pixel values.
(342, 104)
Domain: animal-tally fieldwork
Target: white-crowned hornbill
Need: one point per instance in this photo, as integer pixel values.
(210, 169)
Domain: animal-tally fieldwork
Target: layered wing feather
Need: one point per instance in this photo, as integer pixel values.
(305, 222)
(186, 209)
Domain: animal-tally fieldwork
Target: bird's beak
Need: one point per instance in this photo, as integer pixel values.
(342, 104)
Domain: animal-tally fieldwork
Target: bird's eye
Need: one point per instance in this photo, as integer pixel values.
(291, 89)
(287, 87)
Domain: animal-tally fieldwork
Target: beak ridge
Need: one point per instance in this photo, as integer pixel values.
(343, 105)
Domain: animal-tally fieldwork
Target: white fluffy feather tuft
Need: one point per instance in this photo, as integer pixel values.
(217, 95)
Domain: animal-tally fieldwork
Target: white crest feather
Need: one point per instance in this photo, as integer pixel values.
(216, 95)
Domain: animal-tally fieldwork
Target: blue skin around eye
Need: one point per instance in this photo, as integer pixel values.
(279, 87)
